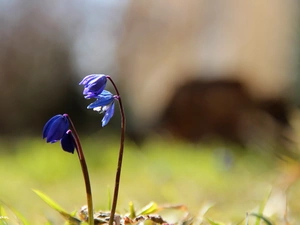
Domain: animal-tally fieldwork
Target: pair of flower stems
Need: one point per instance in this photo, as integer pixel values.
(61, 128)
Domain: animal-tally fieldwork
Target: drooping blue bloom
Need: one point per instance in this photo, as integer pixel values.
(94, 84)
(104, 104)
(57, 129)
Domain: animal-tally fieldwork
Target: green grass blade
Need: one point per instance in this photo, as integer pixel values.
(2, 211)
(200, 217)
(20, 217)
(148, 209)
(261, 217)
(50, 202)
(70, 219)
(261, 208)
(132, 213)
(3, 221)
(213, 222)
(3, 215)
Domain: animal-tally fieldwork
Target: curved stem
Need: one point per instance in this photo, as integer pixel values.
(85, 173)
(119, 168)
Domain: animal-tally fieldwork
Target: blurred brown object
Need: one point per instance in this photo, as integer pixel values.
(224, 109)
(209, 67)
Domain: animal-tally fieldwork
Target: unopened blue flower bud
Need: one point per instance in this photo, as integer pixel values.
(93, 84)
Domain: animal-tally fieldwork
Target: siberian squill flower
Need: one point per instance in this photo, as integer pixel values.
(94, 84)
(104, 104)
(57, 129)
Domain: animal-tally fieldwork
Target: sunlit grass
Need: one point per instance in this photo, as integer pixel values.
(167, 172)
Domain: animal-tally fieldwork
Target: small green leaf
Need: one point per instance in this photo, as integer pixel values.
(261, 217)
(17, 214)
(2, 211)
(200, 217)
(20, 217)
(214, 222)
(74, 213)
(148, 209)
(132, 214)
(3, 216)
(72, 223)
(70, 219)
(3, 221)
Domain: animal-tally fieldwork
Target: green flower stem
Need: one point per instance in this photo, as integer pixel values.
(119, 168)
(85, 173)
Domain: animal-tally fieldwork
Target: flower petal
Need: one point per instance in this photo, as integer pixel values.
(105, 93)
(89, 95)
(49, 124)
(67, 142)
(94, 84)
(90, 77)
(57, 129)
(108, 114)
(102, 101)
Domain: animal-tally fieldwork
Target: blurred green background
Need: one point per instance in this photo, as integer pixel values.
(166, 172)
(211, 97)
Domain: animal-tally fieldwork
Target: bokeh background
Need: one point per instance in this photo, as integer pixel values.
(210, 91)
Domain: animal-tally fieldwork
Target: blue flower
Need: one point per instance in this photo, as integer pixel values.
(57, 128)
(104, 104)
(94, 84)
